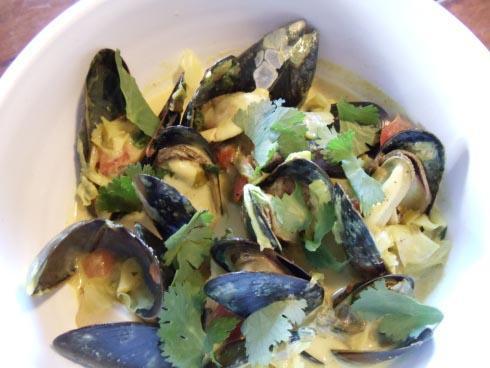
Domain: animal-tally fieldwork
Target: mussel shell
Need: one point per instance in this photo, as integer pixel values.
(114, 345)
(168, 209)
(283, 61)
(236, 253)
(301, 170)
(372, 357)
(57, 260)
(357, 240)
(246, 292)
(428, 149)
(103, 95)
(169, 116)
(221, 78)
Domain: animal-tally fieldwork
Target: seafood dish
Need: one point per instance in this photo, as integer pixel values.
(255, 220)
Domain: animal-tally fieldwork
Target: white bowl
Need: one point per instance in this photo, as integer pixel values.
(413, 50)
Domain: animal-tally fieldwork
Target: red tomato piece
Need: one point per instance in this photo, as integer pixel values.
(240, 182)
(394, 127)
(225, 155)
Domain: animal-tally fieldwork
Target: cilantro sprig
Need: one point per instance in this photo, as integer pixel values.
(399, 315)
(367, 189)
(365, 115)
(119, 195)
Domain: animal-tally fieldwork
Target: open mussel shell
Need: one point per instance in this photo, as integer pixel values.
(168, 209)
(246, 292)
(347, 322)
(56, 262)
(238, 254)
(427, 148)
(221, 78)
(114, 345)
(372, 357)
(283, 61)
(357, 240)
(169, 116)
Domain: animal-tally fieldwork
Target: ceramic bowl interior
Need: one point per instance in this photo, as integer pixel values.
(413, 50)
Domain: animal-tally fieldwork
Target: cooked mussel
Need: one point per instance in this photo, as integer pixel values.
(427, 148)
(238, 254)
(357, 240)
(168, 209)
(282, 62)
(349, 323)
(57, 261)
(261, 222)
(246, 292)
(116, 345)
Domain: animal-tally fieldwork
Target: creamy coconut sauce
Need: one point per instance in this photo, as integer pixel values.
(338, 83)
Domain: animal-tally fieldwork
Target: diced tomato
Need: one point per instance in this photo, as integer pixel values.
(240, 182)
(225, 155)
(393, 127)
(99, 263)
(110, 166)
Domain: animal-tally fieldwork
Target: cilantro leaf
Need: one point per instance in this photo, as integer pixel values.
(340, 148)
(323, 214)
(257, 128)
(291, 130)
(137, 109)
(118, 196)
(218, 331)
(192, 242)
(291, 211)
(323, 258)
(366, 115)
(367, 189)
(400, 315)
(269, 326)
(364, 137)
(181, 331)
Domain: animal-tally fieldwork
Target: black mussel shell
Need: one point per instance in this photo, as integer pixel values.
(246, 292)
(357, 240)
(56, 262)
(114, 345)
(428, 149)
(237, 254)
(168, 209)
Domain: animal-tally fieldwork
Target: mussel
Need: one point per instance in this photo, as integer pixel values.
(348, 323)
(273, 279)
(168, 209)
(283, 62)
(427, 149)
(57, 261)
(114, 345)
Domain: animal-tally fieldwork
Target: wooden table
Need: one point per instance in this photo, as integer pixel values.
(20, 20)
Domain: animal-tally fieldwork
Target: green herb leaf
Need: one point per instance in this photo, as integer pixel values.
(181, 331)
(322, 258)
(192, 242)
(257, 128)
(137, 109)
(340, 148)
(118, 196)
(400, 315)
(366, 115)
(218, 331)
(323, 214)
(364, 135)
(269, 326)
(367, 189)
(291, 130)
(291, 211)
